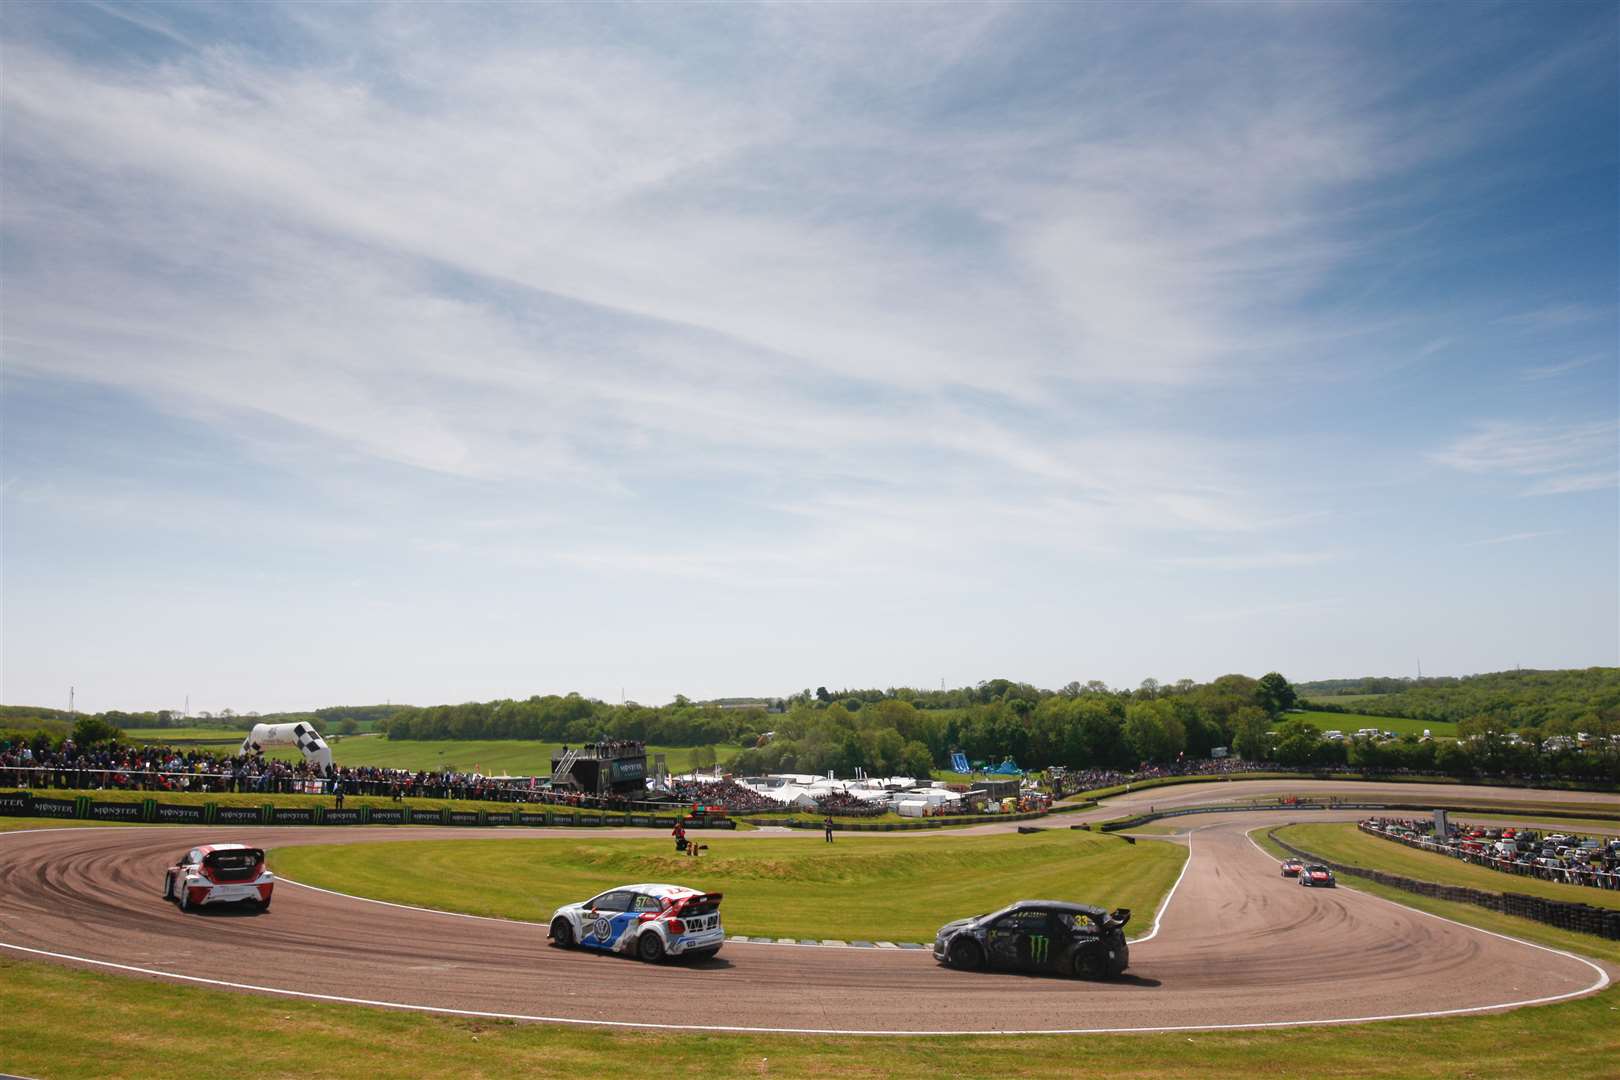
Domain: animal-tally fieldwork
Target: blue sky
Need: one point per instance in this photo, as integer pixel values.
(436, 353)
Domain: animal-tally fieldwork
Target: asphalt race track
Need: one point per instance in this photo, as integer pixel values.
(1236, 945)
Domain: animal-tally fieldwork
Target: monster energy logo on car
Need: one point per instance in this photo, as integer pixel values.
(1038, 944)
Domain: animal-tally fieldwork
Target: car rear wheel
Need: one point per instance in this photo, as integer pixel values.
(650, 947)
(1089, 964)
(965, 953)
(562, 934)
(185, 898)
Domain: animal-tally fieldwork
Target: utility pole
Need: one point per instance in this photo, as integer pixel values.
(70, 701)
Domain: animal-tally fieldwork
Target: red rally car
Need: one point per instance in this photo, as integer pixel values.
(219, 874)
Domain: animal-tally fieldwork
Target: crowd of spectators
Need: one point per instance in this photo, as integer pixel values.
(843, 804)
(735, 797)
(1075, 781)
(1568, 859)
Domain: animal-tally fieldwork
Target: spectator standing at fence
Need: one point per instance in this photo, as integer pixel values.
(828, 826)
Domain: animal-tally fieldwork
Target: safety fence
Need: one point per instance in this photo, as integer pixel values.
(1585, 876)
(88, 808)
(1581, 918)
(920, 823)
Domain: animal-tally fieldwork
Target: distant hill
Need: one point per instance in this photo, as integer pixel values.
(1585, 699)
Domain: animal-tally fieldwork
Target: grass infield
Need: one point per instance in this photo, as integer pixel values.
(1344, 843)
(869, 888)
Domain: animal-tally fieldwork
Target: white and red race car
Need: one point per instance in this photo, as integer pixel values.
(219, 874)
(649, 922)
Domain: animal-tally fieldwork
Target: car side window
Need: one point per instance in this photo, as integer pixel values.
(193, 857)
(1023, 920)
(618, 900)
(643, 902)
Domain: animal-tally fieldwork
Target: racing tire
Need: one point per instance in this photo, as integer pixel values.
(649, 947)
(168, 887)
(1089, 964)
(562, 934)
(965, 954)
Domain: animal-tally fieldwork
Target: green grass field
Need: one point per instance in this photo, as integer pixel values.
(1348, 723)
(860, 887)
(491, 757)
(67, 1023)
(1345, 843)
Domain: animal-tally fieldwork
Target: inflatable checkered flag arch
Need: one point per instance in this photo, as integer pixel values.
(301, 735)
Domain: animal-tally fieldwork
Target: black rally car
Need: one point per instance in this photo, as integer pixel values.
(1039, 935)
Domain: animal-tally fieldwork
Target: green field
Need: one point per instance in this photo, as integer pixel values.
(893, 888)
(1350, 722)
(67, 1023)
(492, 757)
(1344, 843)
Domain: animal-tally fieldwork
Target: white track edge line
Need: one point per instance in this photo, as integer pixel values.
(1164, 905)
(1603, 976)
(741, 1029)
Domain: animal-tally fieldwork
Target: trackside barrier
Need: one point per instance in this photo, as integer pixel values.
(84, 807)
(1588, 878)
(1581, 918)
(1421, 808)
(920, 823)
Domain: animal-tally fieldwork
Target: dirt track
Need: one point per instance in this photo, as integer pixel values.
(1238, 945)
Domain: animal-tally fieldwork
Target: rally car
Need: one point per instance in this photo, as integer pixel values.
(1317, 876)
(1039, 935)
(649, 922)
(219, 874)
(1292, 867)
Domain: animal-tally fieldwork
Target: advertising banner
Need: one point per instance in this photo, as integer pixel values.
(14, 803)
(59, 808)
(387, 817)
(179, 815)
(340, 817)
(464, 817)
(115, 811)
(527, 818)
(561, 819)
(238, 815)
(621, 772)
(585, 819)
(285, 815)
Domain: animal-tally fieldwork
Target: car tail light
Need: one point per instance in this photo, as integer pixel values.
(676, 926)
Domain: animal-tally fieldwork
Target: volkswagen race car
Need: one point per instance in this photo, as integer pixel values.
(649, 922)
(1317, 876)
(219, 874)
(1039, 935)
(1292, 867)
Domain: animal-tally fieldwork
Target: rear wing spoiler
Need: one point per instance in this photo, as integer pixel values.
(701, 904)
(1120, 916)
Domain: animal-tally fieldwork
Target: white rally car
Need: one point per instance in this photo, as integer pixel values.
(646, 921)
(219, 874)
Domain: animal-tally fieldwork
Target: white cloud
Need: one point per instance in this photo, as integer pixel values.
(1556, 458)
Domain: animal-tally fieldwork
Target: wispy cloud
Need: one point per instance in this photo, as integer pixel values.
(1556, 459)
(1554, 316)
(1548, 371)
(1261, 560)
(1514, 538)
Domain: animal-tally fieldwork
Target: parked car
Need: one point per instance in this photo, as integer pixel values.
(1039, 935)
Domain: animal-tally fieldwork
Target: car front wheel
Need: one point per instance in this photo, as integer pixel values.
(562, 934)
(965, 953)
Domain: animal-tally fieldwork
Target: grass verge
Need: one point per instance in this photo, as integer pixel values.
(858, 888)
(1343, 843)
(66, 1023)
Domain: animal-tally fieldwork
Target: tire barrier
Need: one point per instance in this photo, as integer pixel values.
(151, 811)
(1581, 918)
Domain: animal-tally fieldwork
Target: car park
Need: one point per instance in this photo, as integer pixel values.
(650, 922)
(1039, 936)
(219, 874)
(1317, 877)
